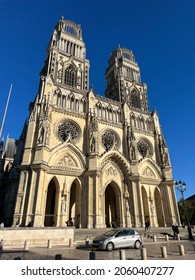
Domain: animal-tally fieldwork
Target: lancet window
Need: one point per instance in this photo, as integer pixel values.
(70, 76)
(135, 99)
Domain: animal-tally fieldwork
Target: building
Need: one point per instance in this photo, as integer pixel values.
(90, 160)
(7, 182)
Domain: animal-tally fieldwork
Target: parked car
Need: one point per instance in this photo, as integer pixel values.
(118, 238)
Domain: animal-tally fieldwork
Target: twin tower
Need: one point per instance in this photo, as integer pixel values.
(89, 160)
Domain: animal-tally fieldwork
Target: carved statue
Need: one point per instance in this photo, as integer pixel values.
(92, 144)
(152, 205)
(41, 135)
(127, 206)
(63, 205)
(93, 135)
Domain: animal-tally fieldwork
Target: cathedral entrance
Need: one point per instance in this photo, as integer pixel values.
(50, 205)
(112, 209)
(75, 205)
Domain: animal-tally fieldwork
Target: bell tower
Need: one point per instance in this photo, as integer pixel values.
(124, 81)
(66, 59)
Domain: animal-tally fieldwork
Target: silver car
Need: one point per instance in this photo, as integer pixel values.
(118, 238)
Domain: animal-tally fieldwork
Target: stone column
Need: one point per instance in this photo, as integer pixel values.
(21, 196)
(90, 213)
(137, 201)
(32, 197)
(38, 200)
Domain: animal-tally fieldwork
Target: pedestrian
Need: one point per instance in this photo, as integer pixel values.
(174, 232)
(114, 225)
(146, 225)
(190, 232)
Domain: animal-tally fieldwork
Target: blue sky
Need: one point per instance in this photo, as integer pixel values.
(161, 34)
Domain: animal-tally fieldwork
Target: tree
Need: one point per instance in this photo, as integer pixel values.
(187, 211)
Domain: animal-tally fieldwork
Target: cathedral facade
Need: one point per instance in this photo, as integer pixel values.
(90, 160)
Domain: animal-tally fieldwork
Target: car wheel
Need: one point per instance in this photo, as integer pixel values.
(110, 246)
(137, 244)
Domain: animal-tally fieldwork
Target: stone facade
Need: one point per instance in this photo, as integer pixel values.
(90, 160)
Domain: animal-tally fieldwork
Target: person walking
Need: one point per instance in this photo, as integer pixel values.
(189, 232)
(174, 232)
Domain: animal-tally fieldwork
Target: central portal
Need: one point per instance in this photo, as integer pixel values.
(112, 205)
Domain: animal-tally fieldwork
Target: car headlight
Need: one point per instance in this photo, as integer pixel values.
(101, 241)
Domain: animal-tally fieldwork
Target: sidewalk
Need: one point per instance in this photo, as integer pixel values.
(80, 251)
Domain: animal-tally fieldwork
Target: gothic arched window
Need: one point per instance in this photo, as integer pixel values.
(135, 99)
(70, 76)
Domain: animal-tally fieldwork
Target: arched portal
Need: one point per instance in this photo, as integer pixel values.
(159, 208)
(112, 205)
(75, 205)
(50, 205)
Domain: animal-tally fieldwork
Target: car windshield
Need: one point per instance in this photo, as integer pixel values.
(110, 233)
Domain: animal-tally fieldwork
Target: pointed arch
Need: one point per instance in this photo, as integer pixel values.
(74, 214)
(57, 97)
(70, 76)
(118, 159)
(112, 204)
(72, 152)
(98, 106)
(135, 99)
(83, 103)
(51, 203)
(142, 122)
(133, 119)
(148, 169)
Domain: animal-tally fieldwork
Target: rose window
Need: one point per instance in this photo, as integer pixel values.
(68, 130)
(144, 148)
(109, 140)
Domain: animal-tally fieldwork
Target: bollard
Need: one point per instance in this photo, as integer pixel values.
(143, 254)
(164, 251)
(178, 236)
(26, 244)
(58, 257)
(194, 247)
(181, 250)
(122, 255)
(92, 255)
(166, 237)
(70, 242)
(154, 237)
(17, 258)
(49, 244)
(87, 241)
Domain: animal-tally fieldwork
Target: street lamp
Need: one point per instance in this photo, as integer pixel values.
(181, 187)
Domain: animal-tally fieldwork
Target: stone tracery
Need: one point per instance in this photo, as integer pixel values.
(68, 130)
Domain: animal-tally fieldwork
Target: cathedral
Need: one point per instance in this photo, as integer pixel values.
(88, 160)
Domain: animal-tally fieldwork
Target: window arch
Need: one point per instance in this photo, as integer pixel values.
(135, 99)
(70, 76)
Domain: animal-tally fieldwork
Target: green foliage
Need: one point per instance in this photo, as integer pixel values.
(187, 211)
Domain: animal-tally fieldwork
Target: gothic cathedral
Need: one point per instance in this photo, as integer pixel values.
(90, 160)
